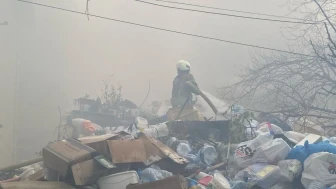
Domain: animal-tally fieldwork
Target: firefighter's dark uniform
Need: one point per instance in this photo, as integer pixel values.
(181, 93)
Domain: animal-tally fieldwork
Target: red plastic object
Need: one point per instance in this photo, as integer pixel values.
(205, 180)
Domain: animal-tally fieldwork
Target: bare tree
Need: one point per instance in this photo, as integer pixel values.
(294, 85)
(111, 95)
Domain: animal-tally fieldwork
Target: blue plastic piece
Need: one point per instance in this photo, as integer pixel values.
(238, 185)
(301, 153)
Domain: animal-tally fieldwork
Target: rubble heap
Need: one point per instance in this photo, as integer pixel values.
(181, 155)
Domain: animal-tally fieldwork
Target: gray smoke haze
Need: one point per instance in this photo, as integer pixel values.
(49, 57)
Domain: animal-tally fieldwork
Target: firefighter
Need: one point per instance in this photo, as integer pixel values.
(181, 94)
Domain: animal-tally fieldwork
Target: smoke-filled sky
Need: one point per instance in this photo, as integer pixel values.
(49, 57)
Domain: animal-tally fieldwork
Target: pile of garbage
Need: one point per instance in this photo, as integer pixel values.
(180, 155)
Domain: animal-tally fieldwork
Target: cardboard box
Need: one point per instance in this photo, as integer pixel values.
(175, 182)
(99, 143)
(163, 156)
(146, 150)
(35, 185)
(88, 172)
(312, 139)
(127, 151)
(168, 152)
(60, 156)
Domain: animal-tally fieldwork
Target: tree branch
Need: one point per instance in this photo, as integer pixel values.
(333, 93)
(325, 15)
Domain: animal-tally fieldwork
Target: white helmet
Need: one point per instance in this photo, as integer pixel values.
(183, 65)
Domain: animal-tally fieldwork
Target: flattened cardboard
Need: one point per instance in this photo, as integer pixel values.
(145, 149)
(99, 143)
(60, 156)
(93, 139)
(175, 182)
(156, 148)
(127, 151)
(153, 154)
(87, 172)
(312, 139)
(104, 162)
(162, 155)
(35, 185)
(168, 152)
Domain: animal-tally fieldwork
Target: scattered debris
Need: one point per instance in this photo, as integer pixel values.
(182, 154)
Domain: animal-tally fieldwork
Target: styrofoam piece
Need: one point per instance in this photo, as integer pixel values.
(119, 180)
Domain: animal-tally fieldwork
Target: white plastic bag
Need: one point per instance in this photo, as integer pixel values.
(245, 150)
(319, 167)
(154, 173)
(244, 153)
(289, 169)
(272, 152)
(268, 127)
(261, 149)
(260, 174)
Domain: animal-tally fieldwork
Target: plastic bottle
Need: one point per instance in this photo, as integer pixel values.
(260, 174)
(208, 155)
(141, 123)
(268, 127)
(27, 173)
(237, 110)
(191, 157)
(156, 131)
(183, 148)
(316, 185)
(152, 174)
(220, 182)
(171, 142)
